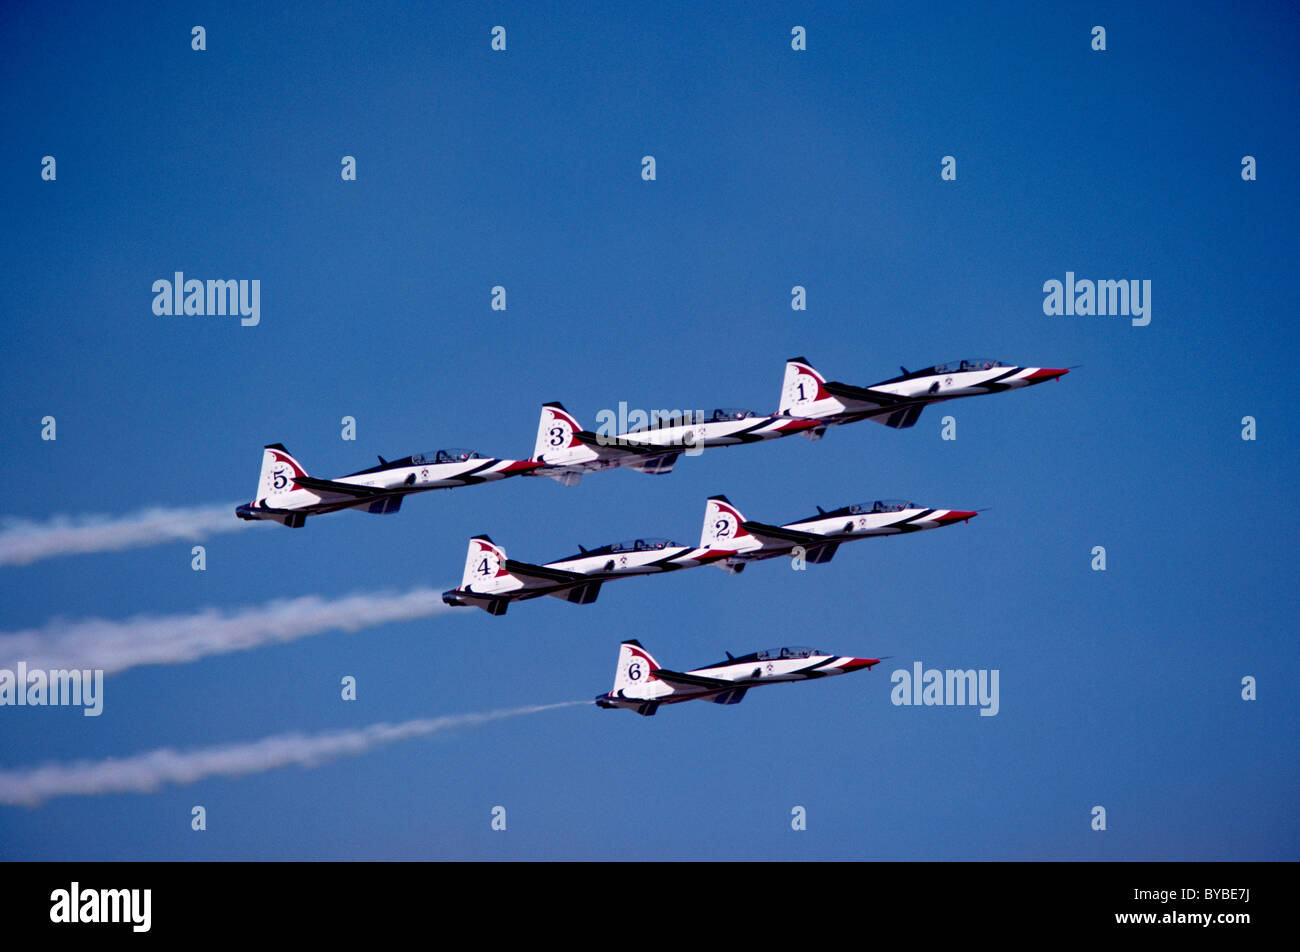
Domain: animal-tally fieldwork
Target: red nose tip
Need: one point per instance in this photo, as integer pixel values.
(957, 515)
(853, 664)
(1046, 373)
(522, 466)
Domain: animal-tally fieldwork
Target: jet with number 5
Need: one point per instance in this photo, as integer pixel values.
(287, 495)
(641, 685)
(565, 450)
(898, 402)
(817, 537)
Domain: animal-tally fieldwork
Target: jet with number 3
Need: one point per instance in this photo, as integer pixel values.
(287, 495)
(565, 450)
(641, 685)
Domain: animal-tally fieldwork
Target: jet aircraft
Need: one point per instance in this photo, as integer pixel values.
(287, 495)
(641, 685)
(565, 450)
(819, 536)
(898, 402)
(491, 581)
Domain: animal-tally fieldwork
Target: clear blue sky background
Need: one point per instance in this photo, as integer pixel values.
(775, 168)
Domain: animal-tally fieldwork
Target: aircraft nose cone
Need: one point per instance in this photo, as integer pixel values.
(1046, 373)
(853, 664)
(957, 515)
(522, 466)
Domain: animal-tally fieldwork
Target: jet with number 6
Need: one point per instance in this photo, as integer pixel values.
(641, 685)
(287, 495)
(898, 402)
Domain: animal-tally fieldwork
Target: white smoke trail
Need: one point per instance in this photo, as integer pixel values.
(174, 639)
(23, 541)
(145, 773)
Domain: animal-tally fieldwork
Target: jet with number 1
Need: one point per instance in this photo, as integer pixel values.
(641, 685)
(898, 402)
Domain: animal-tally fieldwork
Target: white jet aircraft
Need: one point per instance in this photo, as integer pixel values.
(898, 402)
(641, 685)
(287, 495)
(491, 581)
(818, 536)
(565, 450)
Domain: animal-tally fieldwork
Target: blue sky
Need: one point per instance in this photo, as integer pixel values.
(775, 168)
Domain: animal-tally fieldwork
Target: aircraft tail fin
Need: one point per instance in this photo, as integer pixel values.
(557, 431)
(724, 526)
(804, 393)
(635, 670)
(485, 566)
(278, 471)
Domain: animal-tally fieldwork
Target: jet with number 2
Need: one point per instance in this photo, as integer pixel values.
(898, 402)
(287, 495)
(818, 536)
(641, 685)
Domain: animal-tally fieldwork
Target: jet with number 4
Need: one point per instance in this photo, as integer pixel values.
(641, 685)
(898, 402)
(491, 581)
(819, 536)
(565, 450)
(287, 495)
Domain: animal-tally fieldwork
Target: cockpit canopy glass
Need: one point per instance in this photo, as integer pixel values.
(443, 456)
(722, 414)
(957, 366)
(630, 545)
(790, 651)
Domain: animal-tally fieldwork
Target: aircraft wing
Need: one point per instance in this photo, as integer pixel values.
(763, 530)
(342, 489)
(543, 573)
(692, 680)
(587, 438)
(883, 408)
(864, 395)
